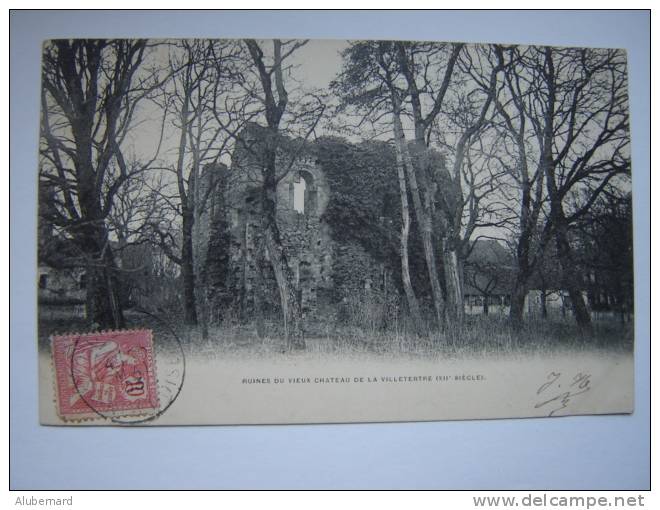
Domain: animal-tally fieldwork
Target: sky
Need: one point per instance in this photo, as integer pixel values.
(319, 61)
(315, 64)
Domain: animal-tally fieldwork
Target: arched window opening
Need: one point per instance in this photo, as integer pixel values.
(299, 195)
(304, 194)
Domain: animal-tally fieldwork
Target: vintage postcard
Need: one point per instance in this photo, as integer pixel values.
(320, 231)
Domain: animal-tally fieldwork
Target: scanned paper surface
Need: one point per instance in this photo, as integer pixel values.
(266, 231)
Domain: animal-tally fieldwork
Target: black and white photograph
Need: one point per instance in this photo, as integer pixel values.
(244, 231)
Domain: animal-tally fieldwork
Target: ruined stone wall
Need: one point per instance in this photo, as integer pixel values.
(239, 272)
(327, 267)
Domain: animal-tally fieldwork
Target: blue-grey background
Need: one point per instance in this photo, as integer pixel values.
(574, 452)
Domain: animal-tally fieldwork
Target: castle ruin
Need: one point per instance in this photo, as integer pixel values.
(328, 264)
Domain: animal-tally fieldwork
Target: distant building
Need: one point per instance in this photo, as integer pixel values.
(487, 278)
(61, 279)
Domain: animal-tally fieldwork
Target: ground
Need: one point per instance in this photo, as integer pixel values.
(481, 336)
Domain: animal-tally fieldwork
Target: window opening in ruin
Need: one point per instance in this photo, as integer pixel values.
(304, 193)
(43, 281)
(299, 195)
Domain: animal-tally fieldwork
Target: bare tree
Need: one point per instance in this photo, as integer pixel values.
(522, 187)
(567, 112)
(449, 109)
(435, 90)
(273, 98)
(90, 92)
(191, 97)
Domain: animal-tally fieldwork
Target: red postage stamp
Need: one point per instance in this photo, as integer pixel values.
(106, 374)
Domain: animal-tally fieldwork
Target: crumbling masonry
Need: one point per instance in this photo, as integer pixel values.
(237, 271)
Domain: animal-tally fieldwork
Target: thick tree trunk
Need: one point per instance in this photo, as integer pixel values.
(436, 289)
(411, 298)
(291, 309)
(289, 299)
(201, 286)
(259, 289)
(571, 279)
(454, 283)
(557, 215)
(530, 207)
(204, 312)
(425, 212)
(259, 310)
(520, 283)
(103, 303)
(523, 271)
(201, 300)
(274, 110)
(188, 271)
(517, 309)
(544, 304)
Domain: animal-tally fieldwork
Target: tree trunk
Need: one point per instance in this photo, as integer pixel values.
(104, 308)
(517, 309)
(291, 309)
(290, 302)
(201, 301)
(571, 278)
(436, 289)
(413, 305)
(259, 290)
(424, 212)
(453, 280)
(557, 216)
(274, 110)
(188, 271)
(424, 222)
(544, 304)
(204, 312)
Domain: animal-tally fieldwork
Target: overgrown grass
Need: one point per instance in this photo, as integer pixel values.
(483, 337)
(367, 326)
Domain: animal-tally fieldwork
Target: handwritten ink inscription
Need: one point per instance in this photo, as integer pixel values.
(558, 390)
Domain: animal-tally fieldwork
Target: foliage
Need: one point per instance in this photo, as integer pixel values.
(364, 204)
(603, 240)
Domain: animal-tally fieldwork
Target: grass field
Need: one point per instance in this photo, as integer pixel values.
(480, 336)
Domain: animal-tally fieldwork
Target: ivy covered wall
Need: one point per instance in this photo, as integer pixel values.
(350, 244)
